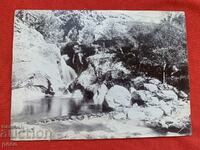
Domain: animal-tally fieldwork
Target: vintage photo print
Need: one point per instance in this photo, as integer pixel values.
(98, 74)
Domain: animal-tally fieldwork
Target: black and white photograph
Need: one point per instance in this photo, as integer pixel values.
(99, 74)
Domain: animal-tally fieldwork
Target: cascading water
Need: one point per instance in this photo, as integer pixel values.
(68, 74)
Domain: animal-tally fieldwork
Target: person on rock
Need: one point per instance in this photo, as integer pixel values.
(78, 60)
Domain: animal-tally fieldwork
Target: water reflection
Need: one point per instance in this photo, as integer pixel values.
(44, 108)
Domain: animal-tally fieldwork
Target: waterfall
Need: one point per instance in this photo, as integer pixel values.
(68, 74)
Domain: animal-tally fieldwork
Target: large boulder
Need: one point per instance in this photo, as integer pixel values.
(118, 96)
(178, 121)
(144, 95)
(141, 97)
(182, 109)
(136, 113)
(33, 56)
(87, 77)
(175, 118)
(167, 87)
(167, 95)
(150, 87)
(153, 113)
(154, 101)
(100, 94)
(166, 108)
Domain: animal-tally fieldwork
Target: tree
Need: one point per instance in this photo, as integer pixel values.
(162, 44)
(86, 35)
(170, 42)
(46, 23)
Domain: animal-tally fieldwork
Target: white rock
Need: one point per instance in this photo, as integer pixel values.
(182, 94)
(168, 119)
(99, 96)
(87, 77)
(150, 87)
(120, 116)
(166, 108)
(132, 89)
(154, 101)
(65, 57)
(142, 95)
(167, 95)
(118, 96)
(136, 113)
(167, 87)
(155, 81)
(163, 123)
(182, 110)
(153, 113)
(170, 87)
(175, 90)
(92, 87)
(33, 55)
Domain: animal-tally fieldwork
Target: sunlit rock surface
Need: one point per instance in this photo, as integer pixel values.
(118, 96)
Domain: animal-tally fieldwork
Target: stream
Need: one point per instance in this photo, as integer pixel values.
(46, 107)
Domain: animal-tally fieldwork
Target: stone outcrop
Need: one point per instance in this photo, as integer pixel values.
(118, 96)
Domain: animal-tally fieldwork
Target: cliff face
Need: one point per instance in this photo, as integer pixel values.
(34, 58)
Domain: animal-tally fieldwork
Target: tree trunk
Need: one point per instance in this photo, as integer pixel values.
(164, 72)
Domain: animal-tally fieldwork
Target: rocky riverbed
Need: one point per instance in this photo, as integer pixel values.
(160, 110)
(79, 84)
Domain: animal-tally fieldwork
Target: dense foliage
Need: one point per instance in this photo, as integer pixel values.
(136, 44)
